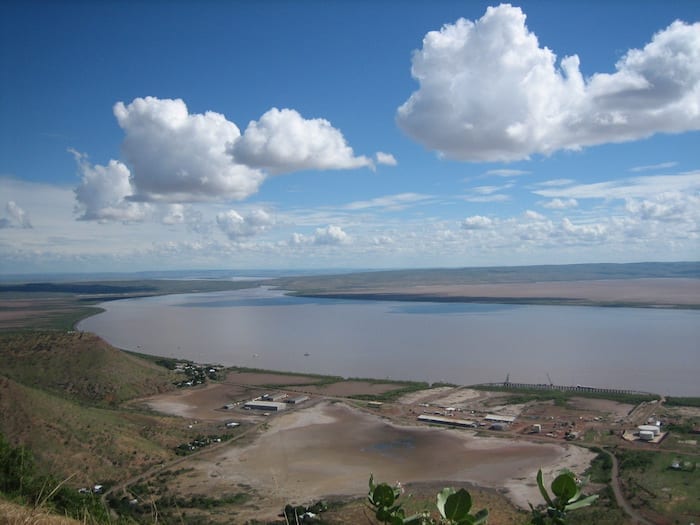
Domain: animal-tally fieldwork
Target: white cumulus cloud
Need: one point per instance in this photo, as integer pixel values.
(103, 192)
(176, 156)
(477, 222)
(386, 158)
(237, 226)
(283, 141)
(489, 92)
(330, 235)
(16, 217)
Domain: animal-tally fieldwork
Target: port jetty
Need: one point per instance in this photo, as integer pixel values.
(507, 385)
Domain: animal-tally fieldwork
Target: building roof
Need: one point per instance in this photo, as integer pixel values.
(500, 419)
(266, 405)
(447, 420)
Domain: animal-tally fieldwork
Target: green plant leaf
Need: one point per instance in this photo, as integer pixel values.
(458, 505)
(585, 502)
(442, 498)
(481, 517)
(383, 514)
(383, 495)
(564, 487)
(372, 486)
(543, 491)
(396, 520)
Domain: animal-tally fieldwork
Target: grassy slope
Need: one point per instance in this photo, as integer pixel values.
(58, 394)
(14, 514)
(79, 366)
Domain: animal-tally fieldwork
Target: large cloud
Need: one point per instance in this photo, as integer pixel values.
(176, 156)
(489, 92)
(283, 141)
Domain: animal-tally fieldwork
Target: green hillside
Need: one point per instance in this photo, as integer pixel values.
(79, 366)
(61, 396)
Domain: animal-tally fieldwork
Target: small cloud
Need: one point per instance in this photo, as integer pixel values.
(385, 158)
(497, 197)
(533, 215)
(646, 186)
(104, 192)
(330, 235)
(237, 226)
(390, 202)
(16, 217)
(175, 214)
(584, 232)
(560, 204)
(507, 173)
(556, 183)
(477, 222)
(653, 167)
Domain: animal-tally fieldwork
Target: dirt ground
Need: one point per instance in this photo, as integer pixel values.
(263, 378)
(331, 448)
(201, 403)
(605, 407)
(351, 388)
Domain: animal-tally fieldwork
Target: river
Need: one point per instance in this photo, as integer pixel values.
(655, 350)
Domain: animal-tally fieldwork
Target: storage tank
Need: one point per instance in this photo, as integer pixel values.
(646, 435)
(649, 428)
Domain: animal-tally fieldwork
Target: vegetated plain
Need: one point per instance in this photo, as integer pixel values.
(72, 400)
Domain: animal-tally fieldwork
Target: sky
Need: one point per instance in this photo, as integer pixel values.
(161, 135)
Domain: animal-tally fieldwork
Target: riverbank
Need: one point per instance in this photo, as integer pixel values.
(628, 293)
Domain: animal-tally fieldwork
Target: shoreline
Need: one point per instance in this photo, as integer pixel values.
(655, 293)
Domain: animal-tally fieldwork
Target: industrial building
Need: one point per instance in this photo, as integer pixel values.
(268, 406)
(296, 400)
(495, 418)
(454, 422)
(277, 396)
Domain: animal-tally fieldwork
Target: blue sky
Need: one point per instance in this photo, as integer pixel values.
(176, 135)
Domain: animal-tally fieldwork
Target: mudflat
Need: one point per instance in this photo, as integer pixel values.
(331, 449)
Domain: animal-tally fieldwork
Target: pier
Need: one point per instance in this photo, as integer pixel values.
(507, 385)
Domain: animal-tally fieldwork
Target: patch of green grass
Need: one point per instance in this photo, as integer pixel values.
(651, 482)
(683, 401)
(600, 468)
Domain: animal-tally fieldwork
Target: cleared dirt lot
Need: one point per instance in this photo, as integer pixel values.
(331, 448)
(204, 403)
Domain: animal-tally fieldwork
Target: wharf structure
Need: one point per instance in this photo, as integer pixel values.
(507, 385)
